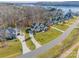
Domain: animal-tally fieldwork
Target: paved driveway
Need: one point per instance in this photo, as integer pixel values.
(37, 45)
(25, 49)
(51, 44)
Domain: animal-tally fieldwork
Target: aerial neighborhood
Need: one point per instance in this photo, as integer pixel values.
(39, 30)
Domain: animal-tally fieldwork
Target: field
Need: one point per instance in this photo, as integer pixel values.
(12, 50)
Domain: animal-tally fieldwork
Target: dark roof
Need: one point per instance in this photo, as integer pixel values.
(11, 30)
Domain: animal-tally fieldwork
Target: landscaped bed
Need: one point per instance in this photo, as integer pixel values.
(45, 37)
(12, 50)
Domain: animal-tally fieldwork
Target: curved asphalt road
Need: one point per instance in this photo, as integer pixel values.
(51, 44)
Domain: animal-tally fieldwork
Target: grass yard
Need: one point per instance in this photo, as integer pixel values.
(64, 26)
(29, 43)
(45, 37)
(77, 26)
(13, 49)
(62, 47)
(71, 21)
(70, 39)
(61, 27)
(53, 52)
(73, 54)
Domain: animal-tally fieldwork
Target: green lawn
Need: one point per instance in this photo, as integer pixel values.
(64, 26)
(62, 47)
(12, 50)
(45, 37)
(71, 21)
(61, 27)
(29, 43)
(53, 52)
(70, 40)
(73, 54)
(77, 26)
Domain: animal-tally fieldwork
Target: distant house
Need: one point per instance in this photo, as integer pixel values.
(68, 15)
(10, 33)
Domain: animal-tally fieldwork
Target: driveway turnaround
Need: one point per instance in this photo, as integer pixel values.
(37, 45)
(25, 49)
(51, 44)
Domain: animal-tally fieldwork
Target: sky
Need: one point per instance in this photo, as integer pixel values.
(27, 1)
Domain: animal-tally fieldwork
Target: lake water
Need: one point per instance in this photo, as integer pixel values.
(64, 8)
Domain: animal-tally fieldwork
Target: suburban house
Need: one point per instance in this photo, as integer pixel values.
(10, 33)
